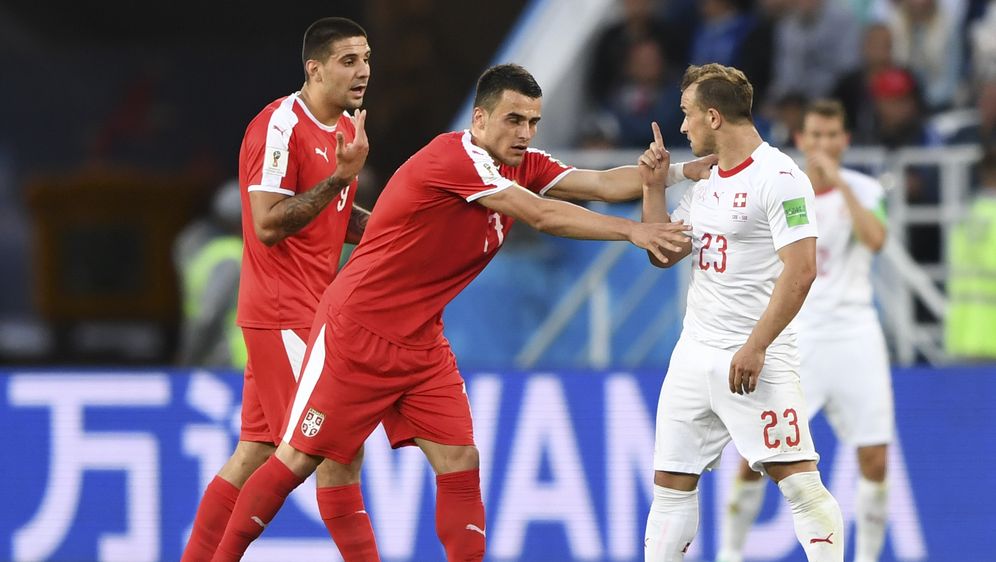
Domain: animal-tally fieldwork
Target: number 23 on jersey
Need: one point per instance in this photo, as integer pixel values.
(712, 252)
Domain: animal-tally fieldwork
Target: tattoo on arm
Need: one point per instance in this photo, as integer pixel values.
(301, 209)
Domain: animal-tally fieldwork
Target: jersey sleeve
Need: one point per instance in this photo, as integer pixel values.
(790, 205)
(473, 173)
(684, 208)
(542, 171)
(870, 194)
(271, 156)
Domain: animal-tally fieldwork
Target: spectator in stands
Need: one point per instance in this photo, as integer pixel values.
(815, 44)
(757, 61)
(982, 35)
(854, 88)
(970, 323)
(648, 91)
(785, 120)
(900, 118)
(983, 130)
(721, 35)
(926, 39)
(639, 23)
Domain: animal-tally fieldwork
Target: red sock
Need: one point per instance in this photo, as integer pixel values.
(261, 497)
(460, 515)
(347, 521)
(209, 523)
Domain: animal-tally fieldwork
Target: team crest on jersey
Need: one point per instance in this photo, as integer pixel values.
(740, 200)
(312, 423)
(275, 161)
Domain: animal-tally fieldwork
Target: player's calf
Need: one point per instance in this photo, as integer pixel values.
(816, 514)
(673, 520)
(340, 503)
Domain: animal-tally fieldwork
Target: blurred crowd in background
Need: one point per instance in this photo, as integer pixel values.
(909, 72)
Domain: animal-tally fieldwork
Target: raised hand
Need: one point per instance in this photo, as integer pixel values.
(351, 157)
(825, 166)
(657, 236)
(654, 161)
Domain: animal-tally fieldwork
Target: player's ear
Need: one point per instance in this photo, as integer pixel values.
(715, 118)
(480, 117)
(313, 68)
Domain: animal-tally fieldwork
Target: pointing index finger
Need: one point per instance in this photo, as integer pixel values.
(658, 138)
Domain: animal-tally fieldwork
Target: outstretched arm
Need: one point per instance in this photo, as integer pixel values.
(567, 220)
(623, 183)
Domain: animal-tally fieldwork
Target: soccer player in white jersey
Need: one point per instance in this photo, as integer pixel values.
(845, 365)
(734, 372)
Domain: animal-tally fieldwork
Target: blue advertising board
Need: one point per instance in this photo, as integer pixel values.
(110, 465)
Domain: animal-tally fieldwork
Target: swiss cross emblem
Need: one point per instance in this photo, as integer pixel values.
(740, 200)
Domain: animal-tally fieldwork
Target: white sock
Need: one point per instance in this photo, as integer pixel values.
(745, 501)
(870, 519)
(671, 525)
(818, 523)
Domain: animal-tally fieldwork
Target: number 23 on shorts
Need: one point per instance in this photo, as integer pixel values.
(771, 421)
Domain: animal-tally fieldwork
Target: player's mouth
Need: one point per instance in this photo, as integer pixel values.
(359, 89)
(519, 148)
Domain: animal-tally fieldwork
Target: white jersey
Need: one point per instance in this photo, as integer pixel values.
(841, 296)
(740, 219)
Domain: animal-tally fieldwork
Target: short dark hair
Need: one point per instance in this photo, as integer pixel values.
(723, 88)
(322, 33)
(829, 108)
(499, 78)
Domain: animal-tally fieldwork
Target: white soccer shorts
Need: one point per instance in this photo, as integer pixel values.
(697, 415)
(847, 375)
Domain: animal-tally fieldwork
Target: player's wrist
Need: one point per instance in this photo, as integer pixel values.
(675, 174)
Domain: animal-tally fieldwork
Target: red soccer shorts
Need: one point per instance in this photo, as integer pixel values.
(275, 358)
(354, 379)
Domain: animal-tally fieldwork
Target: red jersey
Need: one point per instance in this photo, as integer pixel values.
(286, 150)
(427, 237)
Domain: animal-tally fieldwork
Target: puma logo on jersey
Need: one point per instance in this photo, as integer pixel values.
(716, 195)
(476, 529)
(787, 173)
(323, 153)
(826, 540)
(279, 130)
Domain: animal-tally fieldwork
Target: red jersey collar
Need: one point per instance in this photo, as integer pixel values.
(736, 169)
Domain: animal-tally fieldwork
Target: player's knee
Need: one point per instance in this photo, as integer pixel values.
(873, 461)
(251, 455)
(462, 458)
(746, 473)
(331, 473)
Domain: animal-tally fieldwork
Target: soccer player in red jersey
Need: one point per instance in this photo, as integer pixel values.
(377, 350)
(297, 173)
